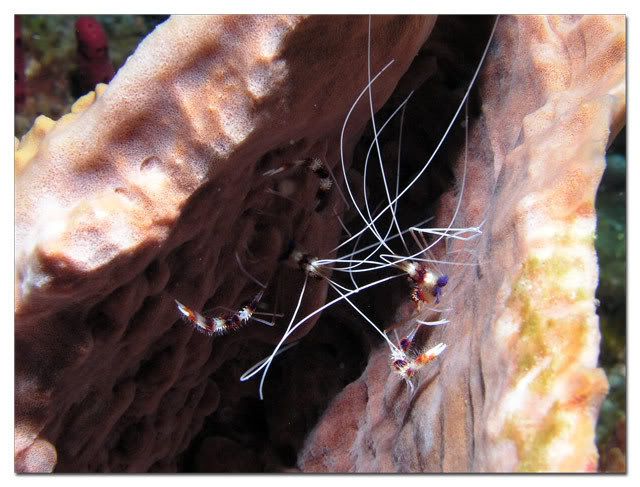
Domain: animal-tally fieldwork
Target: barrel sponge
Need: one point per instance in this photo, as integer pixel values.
(145, 192)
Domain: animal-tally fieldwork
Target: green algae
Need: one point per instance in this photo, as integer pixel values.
(535, 290)
(533, 453)
(531, 299)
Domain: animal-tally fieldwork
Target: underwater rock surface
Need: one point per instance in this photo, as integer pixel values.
(152, 185)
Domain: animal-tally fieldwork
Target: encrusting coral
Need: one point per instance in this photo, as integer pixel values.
(148, 189)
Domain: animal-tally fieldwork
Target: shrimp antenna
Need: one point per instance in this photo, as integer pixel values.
(244, 271)
(443, 138)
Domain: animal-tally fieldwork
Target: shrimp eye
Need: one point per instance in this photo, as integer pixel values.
(405, 343)
(442, 280)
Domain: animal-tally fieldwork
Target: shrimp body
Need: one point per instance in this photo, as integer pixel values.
(426, 284)
(220, 325)
(407, 364)
(404, 369)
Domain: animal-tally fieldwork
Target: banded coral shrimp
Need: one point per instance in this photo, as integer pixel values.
(418, 266)
(326, 179)
(231, 320)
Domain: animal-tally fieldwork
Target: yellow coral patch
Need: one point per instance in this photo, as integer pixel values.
(100, 89)
(27, 148)
(83, 102)
(30, 143)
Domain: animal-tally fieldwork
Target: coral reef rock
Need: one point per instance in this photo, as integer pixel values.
(145, 193)
(518, 388)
